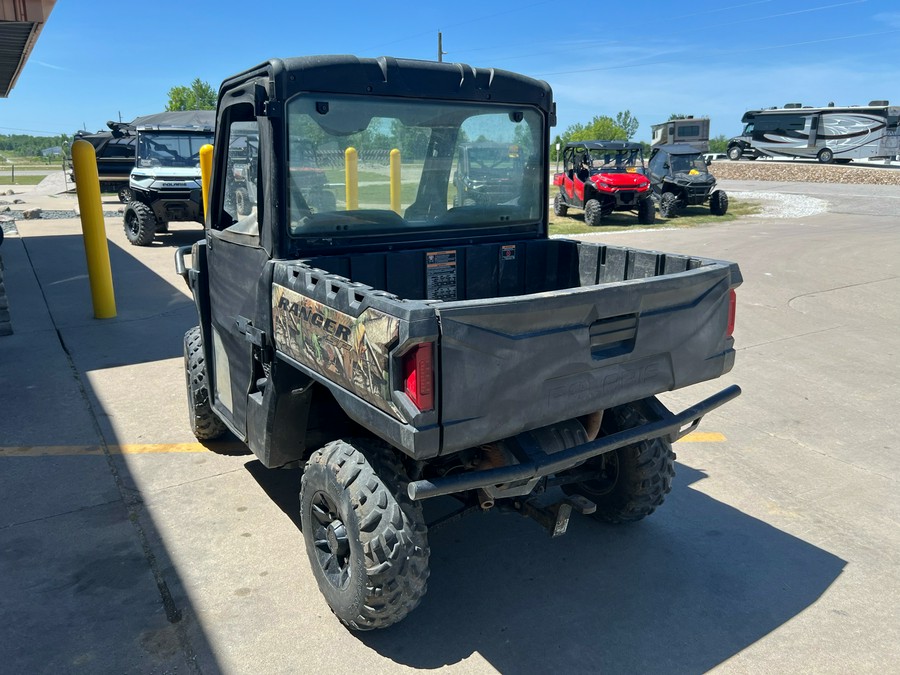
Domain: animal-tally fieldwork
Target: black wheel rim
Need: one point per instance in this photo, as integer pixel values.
(331, 540)
(132, 224)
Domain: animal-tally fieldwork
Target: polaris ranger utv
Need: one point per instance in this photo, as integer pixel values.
(165, 180)
(401, 352)
(601, 177)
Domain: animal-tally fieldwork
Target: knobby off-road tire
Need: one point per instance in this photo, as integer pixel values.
(204, 422)
(668, 205)
(718, 203)
(366, 540)
(560, 208)
(593, 215)
(242, 202)
(646, 212)
(634, 480)
(140, 224)
(124, 195)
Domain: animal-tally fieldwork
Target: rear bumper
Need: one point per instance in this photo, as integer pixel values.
(670, 426)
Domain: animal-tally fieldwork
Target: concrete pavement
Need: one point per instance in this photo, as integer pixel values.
(126, 546)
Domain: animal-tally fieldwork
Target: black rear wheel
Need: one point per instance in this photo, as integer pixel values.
(204, 422)
(242, 202)
(366, 540)
(631, 482)
(825, 156)
(560, 208)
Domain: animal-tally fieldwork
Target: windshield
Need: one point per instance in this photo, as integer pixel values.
(497, 161)
(455, 165)
(688, 164)
(611, 161)
(171, 149)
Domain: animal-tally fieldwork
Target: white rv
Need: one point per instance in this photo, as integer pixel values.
(691, 130)
(828, 134)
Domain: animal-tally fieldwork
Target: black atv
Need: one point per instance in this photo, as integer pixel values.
(679, 177)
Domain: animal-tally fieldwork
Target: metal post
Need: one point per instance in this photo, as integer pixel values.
(351, 172)
(206, 152)
(96, 248)
(395, 181)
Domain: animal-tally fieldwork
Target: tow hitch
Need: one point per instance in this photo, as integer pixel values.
(555, 518)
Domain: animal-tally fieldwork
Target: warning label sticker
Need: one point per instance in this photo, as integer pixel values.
(440, 270)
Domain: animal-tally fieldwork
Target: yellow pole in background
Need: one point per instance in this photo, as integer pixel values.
(351, 171)
(96, 248)
(395, 181)
(206, 152)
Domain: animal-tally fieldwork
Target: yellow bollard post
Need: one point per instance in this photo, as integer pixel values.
(395, 181)
(206, 152)
(351, 176)
(96, 248)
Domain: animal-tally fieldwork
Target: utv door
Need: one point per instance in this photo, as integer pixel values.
(236, 262)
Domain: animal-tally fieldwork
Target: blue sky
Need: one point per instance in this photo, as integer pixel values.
(97, 60)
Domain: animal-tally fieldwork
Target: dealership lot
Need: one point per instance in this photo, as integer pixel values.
(127, 546)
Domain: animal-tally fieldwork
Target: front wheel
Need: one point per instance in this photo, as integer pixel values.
(366, 540)
(125, 195)
(825, 156)
(140, 223)
(735, 152)
(593, 215)
(646, 212)
(631, 482)
(560, 208)
(718, 203)
(668, 205)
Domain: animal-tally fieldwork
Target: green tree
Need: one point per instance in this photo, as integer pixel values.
(628, 123)
(719, 143)
(600, 128)
(198, 96)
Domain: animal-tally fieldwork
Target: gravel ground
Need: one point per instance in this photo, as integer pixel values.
(804, 172)
(778, 205)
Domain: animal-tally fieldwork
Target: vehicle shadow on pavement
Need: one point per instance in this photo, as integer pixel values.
(81, 557)
(282, 486)
(682, 591)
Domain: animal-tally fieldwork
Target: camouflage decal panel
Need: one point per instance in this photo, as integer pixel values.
(351, 352)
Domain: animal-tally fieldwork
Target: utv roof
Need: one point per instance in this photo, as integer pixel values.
(604, 145)
(388, 76)
(679, 149)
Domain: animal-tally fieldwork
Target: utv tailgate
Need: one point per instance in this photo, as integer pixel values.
(561, 354)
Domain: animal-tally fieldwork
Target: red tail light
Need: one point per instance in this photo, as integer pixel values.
(418, 376)
(732, 310)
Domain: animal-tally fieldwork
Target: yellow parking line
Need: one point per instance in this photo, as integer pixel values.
(704, 437)
(165, 448)
(128, 449)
